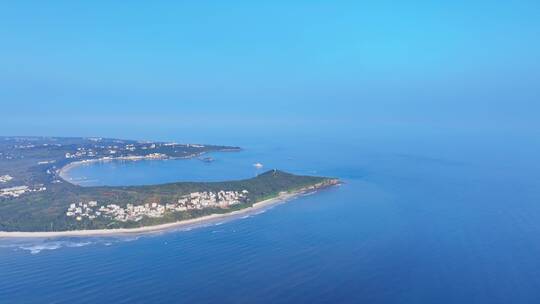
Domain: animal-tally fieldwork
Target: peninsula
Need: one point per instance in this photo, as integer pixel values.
(35, 200)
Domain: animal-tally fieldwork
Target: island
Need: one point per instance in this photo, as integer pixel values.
(35, 199)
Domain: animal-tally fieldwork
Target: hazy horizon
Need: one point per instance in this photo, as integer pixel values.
(385, 69)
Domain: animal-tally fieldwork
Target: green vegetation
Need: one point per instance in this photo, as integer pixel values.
(45, 210)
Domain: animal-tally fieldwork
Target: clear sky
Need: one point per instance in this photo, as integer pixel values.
(120, 68)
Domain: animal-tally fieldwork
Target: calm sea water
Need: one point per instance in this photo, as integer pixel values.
(414, 223)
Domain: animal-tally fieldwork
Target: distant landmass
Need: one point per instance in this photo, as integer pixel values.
(34, 197)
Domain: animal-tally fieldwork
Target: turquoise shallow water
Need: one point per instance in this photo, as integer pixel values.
(406, 227)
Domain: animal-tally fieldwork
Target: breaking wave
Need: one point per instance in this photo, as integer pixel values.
(35, 246)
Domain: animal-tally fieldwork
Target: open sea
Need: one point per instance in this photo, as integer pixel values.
(425, 220)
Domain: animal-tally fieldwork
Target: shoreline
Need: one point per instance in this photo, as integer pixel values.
(63, 172)
(281, 198)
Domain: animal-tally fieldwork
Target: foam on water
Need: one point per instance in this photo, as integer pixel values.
(38, 245)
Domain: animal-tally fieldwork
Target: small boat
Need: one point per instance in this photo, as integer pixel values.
(258, 165)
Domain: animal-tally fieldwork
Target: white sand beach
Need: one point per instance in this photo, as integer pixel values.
(140, 230)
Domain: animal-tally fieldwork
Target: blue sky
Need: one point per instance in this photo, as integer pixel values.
(104, 68)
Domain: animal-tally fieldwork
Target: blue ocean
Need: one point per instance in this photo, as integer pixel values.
(425, 220)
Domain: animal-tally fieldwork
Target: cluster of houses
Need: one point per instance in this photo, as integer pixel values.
(80, 153)
(130, 158)
(20, 190)
(192, 201)
(112, 151)
(122, 151)
(81, 210)
(201, 200)
(5, 178)
(147, 156)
